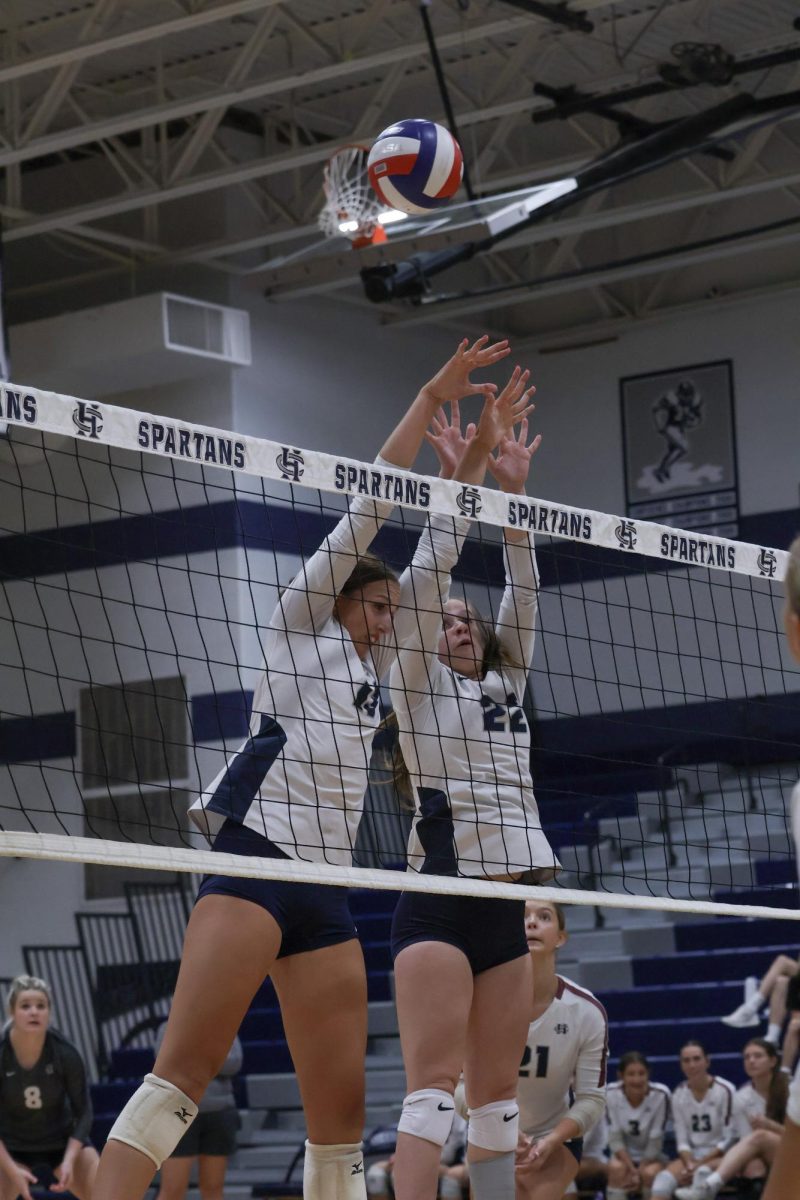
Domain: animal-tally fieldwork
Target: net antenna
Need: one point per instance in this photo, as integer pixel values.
(351, 208)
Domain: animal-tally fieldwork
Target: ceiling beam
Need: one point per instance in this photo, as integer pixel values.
(223, 98)
(134, 37)
(591, 278)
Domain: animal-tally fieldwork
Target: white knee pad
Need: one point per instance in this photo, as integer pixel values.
(334, 1172)
(495, 1126)
(377, 1180)
(428, 1114)
(155, 1119)
(664, 1184)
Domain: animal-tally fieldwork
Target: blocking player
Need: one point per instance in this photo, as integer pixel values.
(294, 790)
(462, 976)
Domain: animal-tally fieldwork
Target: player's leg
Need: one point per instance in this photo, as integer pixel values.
(323, 997)
(748, 1157)
(433, 991)
(746, 1014)
(211, 1176)
(175, 1174)
(777, 1010)
(550, 1181)
(230, 947)
(619, 1178)
(84, 1170)
(498, 1027)
(667, 1180)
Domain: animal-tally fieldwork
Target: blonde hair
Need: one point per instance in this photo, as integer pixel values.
(793, 577)
(26, 983)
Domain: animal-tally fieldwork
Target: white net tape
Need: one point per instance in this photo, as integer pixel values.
(32, 408)
(55, 847)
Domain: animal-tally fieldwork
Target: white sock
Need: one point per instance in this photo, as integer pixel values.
(334, 1172)
(715, 1182)
(616, 1194)
(753, 1003)
(773, 1034)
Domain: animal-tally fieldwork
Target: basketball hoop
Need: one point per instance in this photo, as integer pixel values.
(350, 208)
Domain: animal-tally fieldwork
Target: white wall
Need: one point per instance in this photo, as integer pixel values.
(579, 407)
(327, 375)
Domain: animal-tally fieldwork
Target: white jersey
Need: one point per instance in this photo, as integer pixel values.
(747, 1103)
(638, 1129)
(703, 1125)
(595, 1141)
(466, 742)
(564, 1060)
(300, 777)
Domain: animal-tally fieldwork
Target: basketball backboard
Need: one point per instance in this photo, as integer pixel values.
(330, 263)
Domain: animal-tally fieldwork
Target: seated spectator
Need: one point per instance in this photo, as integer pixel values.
(702, 1108)
(638, 1111)
(771, 990)
(759, 1110)
(211, 1138)
(45, 1110)
(453, 1172)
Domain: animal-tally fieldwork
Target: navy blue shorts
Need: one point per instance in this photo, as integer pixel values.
(310, 915)
(575, 1147)
(489, 932)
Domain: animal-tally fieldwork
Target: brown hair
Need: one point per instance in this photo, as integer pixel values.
(629, 1058)
(496, 654)
(793, 577)
(368, 569)
(694, 1042)
(778, 1094)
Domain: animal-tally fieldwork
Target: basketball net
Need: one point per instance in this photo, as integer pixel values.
(350, 208)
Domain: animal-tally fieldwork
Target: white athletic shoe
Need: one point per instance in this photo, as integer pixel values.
(742, 1017)
(699, 1188)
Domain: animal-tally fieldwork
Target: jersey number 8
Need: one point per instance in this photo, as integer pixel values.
(33, 1097)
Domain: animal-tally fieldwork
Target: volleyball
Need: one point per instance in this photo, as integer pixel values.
(415, 166)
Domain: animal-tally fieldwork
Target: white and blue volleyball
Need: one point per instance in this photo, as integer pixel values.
(415, 166)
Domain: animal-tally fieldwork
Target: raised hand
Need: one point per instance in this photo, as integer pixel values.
(511, 464)
(453, 382)
(448, 441)
(501, 413)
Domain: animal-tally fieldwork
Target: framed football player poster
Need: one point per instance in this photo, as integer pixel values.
(679, 448)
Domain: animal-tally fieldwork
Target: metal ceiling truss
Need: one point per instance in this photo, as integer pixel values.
(173, 146)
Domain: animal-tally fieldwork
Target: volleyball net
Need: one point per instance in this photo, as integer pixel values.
(142, 557)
